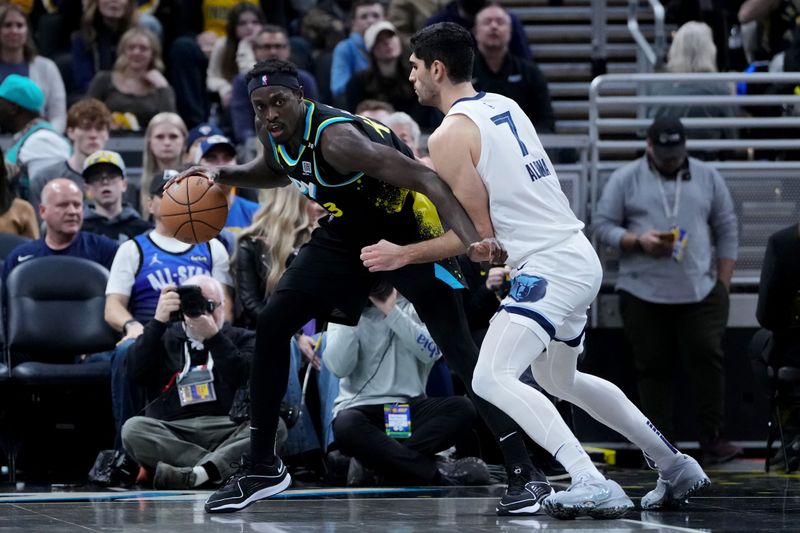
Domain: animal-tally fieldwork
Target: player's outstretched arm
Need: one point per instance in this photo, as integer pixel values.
(348, 150)
(256, 174)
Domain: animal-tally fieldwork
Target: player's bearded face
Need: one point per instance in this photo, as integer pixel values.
(420, 79)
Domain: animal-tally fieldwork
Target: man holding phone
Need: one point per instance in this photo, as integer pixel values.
(673, 219)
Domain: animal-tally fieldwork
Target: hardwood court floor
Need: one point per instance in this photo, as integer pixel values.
(742, 498)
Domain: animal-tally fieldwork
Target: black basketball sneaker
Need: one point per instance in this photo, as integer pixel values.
(523, 496)
(250, 483)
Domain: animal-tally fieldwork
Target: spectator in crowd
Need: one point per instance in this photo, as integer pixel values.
(136, 89)
(375, 110)
(666, 212)
(463, 13)
(778, 311)
(693, 50)
(18, 55)
(16, 215)
(36, 144)
(272, 42)
(263, 250)
(768, 27)
(94, 47)
(186, 436)
(88, 124)
(62, 212)
(217, 151)
(164, 140)
(386, 78)
(233, 54)
(498, 71)
(351, 56)
(385, 361)
(410, 15)
(105, 213)
(193, 139)
(408, 130)
(141, 268)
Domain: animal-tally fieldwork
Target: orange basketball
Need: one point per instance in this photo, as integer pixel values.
(194, 210)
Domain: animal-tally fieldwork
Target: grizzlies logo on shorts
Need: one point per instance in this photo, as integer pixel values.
(526, 288)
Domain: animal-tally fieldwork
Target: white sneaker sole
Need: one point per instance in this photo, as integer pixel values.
(532, 509)
(258, 495)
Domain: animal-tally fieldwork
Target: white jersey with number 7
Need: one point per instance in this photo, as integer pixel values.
(529, 211)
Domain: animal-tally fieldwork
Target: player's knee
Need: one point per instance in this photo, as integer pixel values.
(483, 384)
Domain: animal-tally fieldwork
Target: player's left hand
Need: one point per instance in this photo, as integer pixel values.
(488, 249)
(383, 255)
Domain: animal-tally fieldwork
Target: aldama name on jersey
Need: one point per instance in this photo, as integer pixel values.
(537, 169)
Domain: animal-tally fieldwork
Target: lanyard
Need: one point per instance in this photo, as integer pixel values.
(671, 215)
(209, 362)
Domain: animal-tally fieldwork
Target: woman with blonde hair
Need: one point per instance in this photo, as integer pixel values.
(136, 89)
(94, 46)
(263, 250)
(693, 51)
(18, 55)
(163, 149)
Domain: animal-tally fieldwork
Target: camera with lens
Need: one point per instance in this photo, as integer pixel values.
(193, 303)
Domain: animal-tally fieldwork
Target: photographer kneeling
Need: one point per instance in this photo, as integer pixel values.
(191, 363)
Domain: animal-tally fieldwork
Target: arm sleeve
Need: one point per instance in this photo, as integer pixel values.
(248, 283)
(341, 350)
(412, 334)
(221, 270)
(610, 213)
(82, 64)
(42, 149)
(772, 294)
(215, 82)
(340, 68)
(146, 352)
(55, 106)
(233, 349)
(123, 269)
(519, 40)
(242, 116)
(724, 225)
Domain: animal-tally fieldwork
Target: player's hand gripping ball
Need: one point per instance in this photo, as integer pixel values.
(193, 209)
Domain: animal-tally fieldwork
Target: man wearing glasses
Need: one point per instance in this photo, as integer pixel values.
(191, 362)
(272, 42)
(105, 212)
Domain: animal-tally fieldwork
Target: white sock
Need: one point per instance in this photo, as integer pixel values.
(200, 475)
(577, 462)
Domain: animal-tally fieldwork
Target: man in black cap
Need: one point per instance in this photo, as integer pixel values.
(666, 211)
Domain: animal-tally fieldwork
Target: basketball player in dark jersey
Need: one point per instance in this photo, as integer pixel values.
(367, 180)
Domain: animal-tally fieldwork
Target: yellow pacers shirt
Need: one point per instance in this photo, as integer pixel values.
(215, 14)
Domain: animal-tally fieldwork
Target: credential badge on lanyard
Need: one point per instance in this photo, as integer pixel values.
(196, 384)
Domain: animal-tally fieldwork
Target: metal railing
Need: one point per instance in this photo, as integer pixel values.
(649, 58)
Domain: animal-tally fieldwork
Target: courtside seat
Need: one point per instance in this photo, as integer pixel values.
(55, 309)
(61, 412)
(9, 241)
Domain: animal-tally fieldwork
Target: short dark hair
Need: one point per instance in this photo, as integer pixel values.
(273, 28)
(361, 3)
(270, 66)
(449, 43)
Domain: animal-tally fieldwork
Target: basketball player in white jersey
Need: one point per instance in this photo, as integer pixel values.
(489, 153)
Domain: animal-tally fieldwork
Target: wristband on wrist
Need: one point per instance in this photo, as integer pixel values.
(637, 245)
(126, 324)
